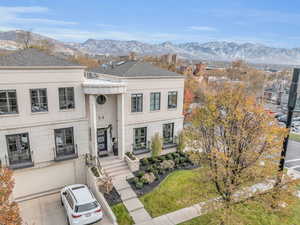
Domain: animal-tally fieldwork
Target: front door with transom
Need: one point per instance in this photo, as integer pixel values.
(102, 141)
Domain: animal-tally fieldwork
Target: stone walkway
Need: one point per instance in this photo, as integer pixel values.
(120, 172)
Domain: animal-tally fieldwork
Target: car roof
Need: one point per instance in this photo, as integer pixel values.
(81, 194)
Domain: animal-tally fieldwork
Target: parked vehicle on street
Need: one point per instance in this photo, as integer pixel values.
(282, 118)
(80, 204)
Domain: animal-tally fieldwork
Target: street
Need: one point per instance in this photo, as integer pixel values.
(293, 156)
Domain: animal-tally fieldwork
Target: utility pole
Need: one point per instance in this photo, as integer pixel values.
(291, 106)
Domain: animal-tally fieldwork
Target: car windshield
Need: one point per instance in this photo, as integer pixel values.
(86, 207)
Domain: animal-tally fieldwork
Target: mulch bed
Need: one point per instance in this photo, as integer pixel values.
(149, 187)
(113, 197)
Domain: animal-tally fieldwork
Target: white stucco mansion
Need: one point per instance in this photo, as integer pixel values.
(54, 112)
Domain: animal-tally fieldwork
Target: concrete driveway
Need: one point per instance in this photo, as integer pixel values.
(47, 210)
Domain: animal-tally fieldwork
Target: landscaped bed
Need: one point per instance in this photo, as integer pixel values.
(122, 214)
(153, 171)
(179, 190)
(254, 214)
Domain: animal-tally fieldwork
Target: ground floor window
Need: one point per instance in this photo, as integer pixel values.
(64, 141)
(18, 149)
(140, 138)
(168, 133)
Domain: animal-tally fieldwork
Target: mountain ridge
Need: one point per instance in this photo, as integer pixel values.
(215, 50)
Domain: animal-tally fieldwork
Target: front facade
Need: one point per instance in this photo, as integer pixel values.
(53, 115)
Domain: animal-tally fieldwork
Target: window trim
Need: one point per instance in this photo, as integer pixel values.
(170, 93)
(66, 98)
(29, 162)
(139, 95)
(134, 138)
(153, 94)
(173, 136)
(17, 107)
(58, 157)
(38, 89)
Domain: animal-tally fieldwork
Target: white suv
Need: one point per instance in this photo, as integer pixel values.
(80, 204)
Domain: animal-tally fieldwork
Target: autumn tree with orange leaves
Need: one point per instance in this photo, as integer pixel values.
(240, 146)
(9, 211)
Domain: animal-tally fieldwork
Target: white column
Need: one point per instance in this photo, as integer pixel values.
(121, 125)
(93, 125)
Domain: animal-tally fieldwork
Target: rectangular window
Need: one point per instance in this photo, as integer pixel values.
(155, 101)
(8, 102)
(137, 103)
(64, 141)
(39, 101)
(168, 133)
(66, 98)
(172, 99)
(140, 138)
(19, 154)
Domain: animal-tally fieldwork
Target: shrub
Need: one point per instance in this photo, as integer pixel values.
(148, 178)
(182, 159)
(167, 164)
(140, 174)
(139, 185)
(162, 158)
(169, 156)
(181, 142)
(156, 145)
(177, 161)
(130, 155)
(95, 171)
(135, 180)
(155, 172)
(144, 162)
(143, 180)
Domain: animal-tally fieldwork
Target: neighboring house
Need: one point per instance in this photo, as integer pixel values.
(53, 113)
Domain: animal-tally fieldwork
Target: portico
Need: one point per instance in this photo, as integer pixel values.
(105, 107)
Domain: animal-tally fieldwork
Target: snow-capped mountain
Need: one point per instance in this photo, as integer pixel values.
(225, 51)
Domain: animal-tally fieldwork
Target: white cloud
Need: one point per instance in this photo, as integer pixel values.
(202, 28)
(12, 16)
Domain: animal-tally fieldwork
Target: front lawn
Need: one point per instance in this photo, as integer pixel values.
(122, 214)
(253, 214)
(295, 137)
(180, 189)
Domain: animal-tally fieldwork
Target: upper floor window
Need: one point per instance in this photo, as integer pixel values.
(172, 99)
(39, 101)
(66, 98)
(155, 101)
(8, 102)
(64, 141)
(137, 103)
(19, 154)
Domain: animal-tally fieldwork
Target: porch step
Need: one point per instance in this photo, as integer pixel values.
(110, 161)
(114, 165)
(116, 168)
(119, 172)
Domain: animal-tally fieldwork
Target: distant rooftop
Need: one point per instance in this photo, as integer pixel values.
(134, 69)
(32, 57)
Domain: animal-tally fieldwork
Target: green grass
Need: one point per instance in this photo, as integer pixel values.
(122, 214)
(295, 137)
(179, 190)
(253, 214)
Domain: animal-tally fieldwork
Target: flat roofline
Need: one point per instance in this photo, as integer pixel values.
(138, 77)
(40, 67)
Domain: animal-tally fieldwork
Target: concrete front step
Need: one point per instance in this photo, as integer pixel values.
(119, 172)
(116, 168)
(112, 165)
(108, 162)
(140, 215)
(127, 194)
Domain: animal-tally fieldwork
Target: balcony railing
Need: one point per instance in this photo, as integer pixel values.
(65, 153)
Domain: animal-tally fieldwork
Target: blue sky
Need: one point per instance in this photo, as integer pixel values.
(275, 23)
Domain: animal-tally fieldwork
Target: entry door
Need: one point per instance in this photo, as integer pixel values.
(102, 139)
